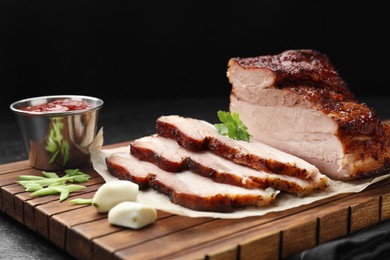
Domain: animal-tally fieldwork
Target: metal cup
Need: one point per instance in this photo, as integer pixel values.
(58, 140)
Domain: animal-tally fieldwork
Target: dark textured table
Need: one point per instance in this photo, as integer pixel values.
(127, 119)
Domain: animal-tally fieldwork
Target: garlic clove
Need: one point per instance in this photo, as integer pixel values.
(132, 215)
(114, 192)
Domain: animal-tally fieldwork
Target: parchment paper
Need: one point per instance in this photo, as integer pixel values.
(283, 201)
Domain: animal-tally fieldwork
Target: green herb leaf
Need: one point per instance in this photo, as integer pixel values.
(81, 178)
(50, 183)
(50, 174)
(232, 126)
(222, 129)
(44, 192)
(77, 175)
(73, 187)
(64, 195)
(59, 188)
(80, 201)
(33, 187)
(73, 172)
(30, 177)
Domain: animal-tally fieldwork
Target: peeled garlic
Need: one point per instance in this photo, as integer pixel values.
(132, 215)
(114, 192)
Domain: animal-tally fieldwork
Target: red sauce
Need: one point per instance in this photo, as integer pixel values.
(60, 105)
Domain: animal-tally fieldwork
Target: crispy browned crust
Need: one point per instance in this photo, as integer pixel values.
(170, 131)
(148, 155)
(225, 177)
(299, 67)
(231, 153)
(353, 118)
(217, 203)
(255, 182)
(361, 132)
(121, 173)
(256, 162)
(310, 74)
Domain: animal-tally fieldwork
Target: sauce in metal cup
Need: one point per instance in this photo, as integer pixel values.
(57, 134)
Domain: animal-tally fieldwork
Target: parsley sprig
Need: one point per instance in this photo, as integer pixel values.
(50, 183)
(232, 126)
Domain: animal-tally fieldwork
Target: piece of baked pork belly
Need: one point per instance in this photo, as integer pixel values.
(199, 135)
(297, 102)
(186, 188)
(168, 155)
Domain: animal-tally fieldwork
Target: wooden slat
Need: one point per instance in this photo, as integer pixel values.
(44, 212)
(186, 240)
(85, 234)
(333, 225)
(80, 239)
(259, 234)
(14, 166)
(266, 246)
(228, 253)
(216, 232)
(7, 205)
(11, 177)
(299, 237)
(246, 244)
(60, 223)
(168, 227)
(81, 235)
(364, 214)
(385, 206)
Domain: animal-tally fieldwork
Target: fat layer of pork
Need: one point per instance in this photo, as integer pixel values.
(186, 188)
(169, 155)
(297, 102)
(198, 135)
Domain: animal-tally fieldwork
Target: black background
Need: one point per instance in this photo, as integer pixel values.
(130, 49)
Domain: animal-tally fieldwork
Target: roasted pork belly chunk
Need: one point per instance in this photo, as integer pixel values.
(167, 154)
(199, 135)
(297, 102)
(186, 188)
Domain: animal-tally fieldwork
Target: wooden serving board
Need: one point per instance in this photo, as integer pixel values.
(86, 234)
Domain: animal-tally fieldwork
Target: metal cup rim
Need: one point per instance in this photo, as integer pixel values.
(97, 102)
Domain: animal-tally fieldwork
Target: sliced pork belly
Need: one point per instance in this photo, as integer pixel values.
(200, 135)
(186, 188)
(297, 102)
(169, 155)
